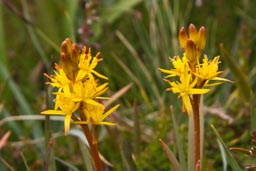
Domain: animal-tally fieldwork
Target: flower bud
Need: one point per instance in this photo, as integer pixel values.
(190, 52)
(75, 55)
(69, 57)
(201, 38)
(192, 33)
(183, 38)
(66, 46)
(67, 67)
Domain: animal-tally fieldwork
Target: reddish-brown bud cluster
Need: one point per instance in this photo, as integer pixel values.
(193, 43)
(69, 56)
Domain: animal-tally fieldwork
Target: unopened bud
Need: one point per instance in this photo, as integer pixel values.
(65, 63)
(75, 54)
(201, 38)
(66, 46)
(183, 38)
(190, 51)
(192, 32)
(69, 57)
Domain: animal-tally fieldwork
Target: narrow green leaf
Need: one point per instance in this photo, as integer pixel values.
(126, 154)
(3, 57)
(67, 164)
(141, 65)
(190, 159)
(15, 127)
(240, 78)
(114, 11)
(71, 14)
(33, 36)
(171, 157)
(223, 155)
(178, 142)
(135, 80)
(24, 105)
(202, 130)
(25, 161)
(231, 161)
(86, 155)
(47, 39)
(253, 117)
(136, 129)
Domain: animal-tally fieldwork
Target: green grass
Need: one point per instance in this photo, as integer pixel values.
(134, 39)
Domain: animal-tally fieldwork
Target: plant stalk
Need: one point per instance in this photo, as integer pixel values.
(195, 104)
(92, 143)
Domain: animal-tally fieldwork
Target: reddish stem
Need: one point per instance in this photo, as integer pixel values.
(195, 104)
(92, 140)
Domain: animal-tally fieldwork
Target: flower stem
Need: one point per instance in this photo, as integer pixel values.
(92, 143)
(195, 104)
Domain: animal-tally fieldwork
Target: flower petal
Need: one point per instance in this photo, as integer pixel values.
(67, 123)
(53, 112)
(110, 111)
(99, 75)
(198, 91)
(187, 104)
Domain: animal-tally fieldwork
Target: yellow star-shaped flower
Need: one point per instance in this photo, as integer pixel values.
(185, 88)
(63, 106)
(86, 65)
(95, 114)
(59, 80)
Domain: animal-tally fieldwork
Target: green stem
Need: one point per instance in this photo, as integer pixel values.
(195, 104)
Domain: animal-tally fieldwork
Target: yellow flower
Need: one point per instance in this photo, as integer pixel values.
(77, 89)
(180, 67)
(63, 106)
(192, 74)
(95, 114)
(185, 88)
(59, 80)
(207, 71)
(88, 91)
(86, 65)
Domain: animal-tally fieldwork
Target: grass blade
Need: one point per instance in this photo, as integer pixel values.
(232, 162)
(118, 94)
(223, 155)
(190, 144)
(67, 164)
(85, 155)
(142, 66)
(3, 58)
(171, 157)
(34, 37)
(117, 9)
(25, 107)
(13, 125)
(135, 80)
(25, 161)
(47, 39)
(178, 142)
(242, 82)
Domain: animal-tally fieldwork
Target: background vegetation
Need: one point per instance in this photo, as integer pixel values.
(135, 38)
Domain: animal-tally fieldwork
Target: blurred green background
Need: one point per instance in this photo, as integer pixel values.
(135, 38)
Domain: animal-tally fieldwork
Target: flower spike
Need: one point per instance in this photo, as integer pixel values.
(78, 91)
(193, 75)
